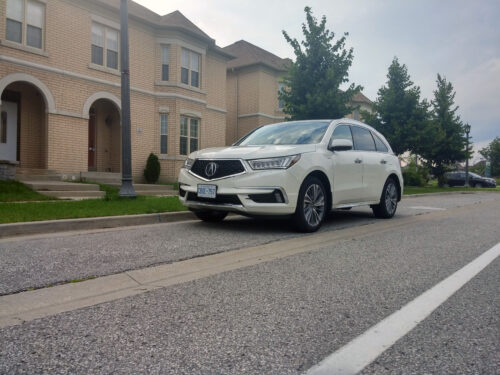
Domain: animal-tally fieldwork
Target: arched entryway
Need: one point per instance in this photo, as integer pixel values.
(104, 147)
(23, 121)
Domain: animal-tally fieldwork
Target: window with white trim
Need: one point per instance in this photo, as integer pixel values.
(104, 46)
(25, 22)
(164, 62)
(164, 133)
(190, 68)
(189, 135)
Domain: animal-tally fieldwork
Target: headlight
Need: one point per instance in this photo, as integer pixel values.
(188, 163)
(283, 162)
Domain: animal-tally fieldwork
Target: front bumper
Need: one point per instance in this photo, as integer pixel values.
(244, 193)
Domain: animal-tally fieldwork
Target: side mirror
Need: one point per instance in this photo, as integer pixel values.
(340, 145)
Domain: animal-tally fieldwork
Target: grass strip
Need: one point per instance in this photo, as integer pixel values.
(411, 190)
(36, 211)
(14, 191)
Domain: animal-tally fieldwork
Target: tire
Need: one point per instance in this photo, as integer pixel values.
(388, 201)
(311, 206)
(211, 216)
(478, 185)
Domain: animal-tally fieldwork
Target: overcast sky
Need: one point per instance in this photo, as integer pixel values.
(459, 39)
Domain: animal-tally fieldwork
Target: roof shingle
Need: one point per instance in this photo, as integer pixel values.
(248, 54)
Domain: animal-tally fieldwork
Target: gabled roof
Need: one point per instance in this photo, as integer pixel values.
(174, 21)
(361, 98)
(248, 54)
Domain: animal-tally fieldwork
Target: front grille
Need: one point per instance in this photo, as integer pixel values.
(223, 168)
(219, 199)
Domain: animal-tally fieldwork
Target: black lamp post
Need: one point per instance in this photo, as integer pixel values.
(467, 131)
(127, 189)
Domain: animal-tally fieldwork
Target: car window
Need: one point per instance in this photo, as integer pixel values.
(286, 133)
(342, 132)
(363, 139)
(379, 143)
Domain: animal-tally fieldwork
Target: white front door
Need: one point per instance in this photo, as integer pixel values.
(8, 131)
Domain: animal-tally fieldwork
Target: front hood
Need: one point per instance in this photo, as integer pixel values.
(251, 152)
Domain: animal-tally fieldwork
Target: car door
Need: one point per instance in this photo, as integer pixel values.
(374, 170)
(347, 170)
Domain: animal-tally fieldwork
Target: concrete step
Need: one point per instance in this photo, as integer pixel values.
(71, 194)
(42, 186)
(145, 187)
(35, 171)
(156, 192)
(34, 177)
(101, 177)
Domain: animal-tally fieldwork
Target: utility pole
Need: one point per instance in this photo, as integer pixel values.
(467, 131)
(127, 189)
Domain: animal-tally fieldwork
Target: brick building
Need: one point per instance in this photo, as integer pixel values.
(60, 87)
(253, 82)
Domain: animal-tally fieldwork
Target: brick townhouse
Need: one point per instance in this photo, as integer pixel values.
(60, 87)
(253, 81)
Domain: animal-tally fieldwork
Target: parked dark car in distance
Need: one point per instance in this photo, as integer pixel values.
(475, 180)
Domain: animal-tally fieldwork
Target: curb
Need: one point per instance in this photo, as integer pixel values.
(444, 193)
(51, 226)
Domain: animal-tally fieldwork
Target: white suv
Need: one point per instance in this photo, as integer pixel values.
(298, 168)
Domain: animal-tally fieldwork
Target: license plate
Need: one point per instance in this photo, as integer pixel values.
(207, 191)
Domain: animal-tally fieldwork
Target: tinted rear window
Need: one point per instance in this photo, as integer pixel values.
(380, 144)
(363, 139)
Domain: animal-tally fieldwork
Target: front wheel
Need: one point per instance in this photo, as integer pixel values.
(478, 185)
(311, 205)
(388, 201)
(211, 216)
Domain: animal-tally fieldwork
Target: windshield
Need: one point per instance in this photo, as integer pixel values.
(474, 174)
(286, 133)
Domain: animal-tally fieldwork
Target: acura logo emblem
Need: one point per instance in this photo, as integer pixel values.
(210, 169)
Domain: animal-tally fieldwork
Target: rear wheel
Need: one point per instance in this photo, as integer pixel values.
(211, 216)
(311, 205)
(388, 201)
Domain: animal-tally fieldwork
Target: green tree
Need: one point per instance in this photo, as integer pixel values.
(448, 142)
(492, 154)
(320, 68)
(399, 114)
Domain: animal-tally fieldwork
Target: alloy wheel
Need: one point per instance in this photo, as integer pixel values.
(391, 198)
(314, 205)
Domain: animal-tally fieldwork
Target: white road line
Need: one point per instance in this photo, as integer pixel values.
(364, 349)
(427, 208)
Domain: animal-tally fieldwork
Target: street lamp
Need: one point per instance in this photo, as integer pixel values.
(467, 131)
(127, 189)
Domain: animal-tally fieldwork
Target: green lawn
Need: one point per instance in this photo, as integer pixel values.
(411, 190)
(35, 211)
(13, 191)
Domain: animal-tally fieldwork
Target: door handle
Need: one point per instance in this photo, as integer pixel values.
(383, 161)
(358, 161)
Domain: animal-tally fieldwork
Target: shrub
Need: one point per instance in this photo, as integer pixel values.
(415, 175)
(152, 171)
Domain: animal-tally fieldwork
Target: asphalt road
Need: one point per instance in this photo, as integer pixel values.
(39, 261)
(279, 317)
